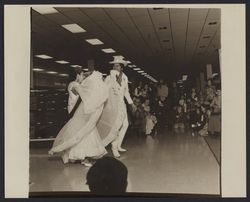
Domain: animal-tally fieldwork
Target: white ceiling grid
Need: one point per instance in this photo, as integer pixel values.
(164, 37)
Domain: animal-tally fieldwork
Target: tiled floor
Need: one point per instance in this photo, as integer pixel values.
(171, 163)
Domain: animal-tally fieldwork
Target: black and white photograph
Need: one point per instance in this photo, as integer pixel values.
(125, 100)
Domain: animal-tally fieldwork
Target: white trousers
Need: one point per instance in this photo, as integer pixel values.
(117, 142)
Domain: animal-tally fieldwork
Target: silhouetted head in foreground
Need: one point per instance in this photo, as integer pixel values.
(107, 176)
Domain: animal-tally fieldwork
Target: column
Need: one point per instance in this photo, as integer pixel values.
(202, 81)
(209, 71)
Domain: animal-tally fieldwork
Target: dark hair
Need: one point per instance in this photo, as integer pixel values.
(107, 176)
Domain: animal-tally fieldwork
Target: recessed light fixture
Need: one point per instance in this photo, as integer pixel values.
(137, 69)
(51, 72)
(212, 23)
(108, 50)
(37, 69)
(63, 75)
(62, 62)
(75, 66)
(184, 77)
(44, 56)
(74, 28)
(45, 10)
(94, 41)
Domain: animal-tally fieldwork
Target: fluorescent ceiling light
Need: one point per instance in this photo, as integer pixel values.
(86, 69)
(63, 75)
(128, 62)
(37, 69)
(134, 65)
(43, 56)
(45, 10)
(141, 71)
(74, 28)
(130, 65)
(137, 68)
(184, 77)
(94, 41)
(62, 62)
(75, 66)
(104, 74)
(108, 50)
(51, 72)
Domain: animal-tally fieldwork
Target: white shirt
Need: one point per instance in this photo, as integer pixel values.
(122, 90)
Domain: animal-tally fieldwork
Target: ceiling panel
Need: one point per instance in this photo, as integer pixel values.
(133, 33)
(214, 15)
(125, 23)
(97, 14)
(141, 21)
(197, 14)
(59, 18)
(117, 13)
(78, 16)
(137, 11)
(161, 20)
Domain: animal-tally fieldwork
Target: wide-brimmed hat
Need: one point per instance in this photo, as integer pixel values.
(119, 60)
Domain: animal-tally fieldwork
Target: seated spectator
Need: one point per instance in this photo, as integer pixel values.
(140, 121)
(183, 104)
(107, 176)
(214, 124)
(138, 90)
(150, 118)
(200, 126)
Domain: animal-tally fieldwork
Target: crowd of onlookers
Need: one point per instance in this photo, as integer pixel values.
(158, 107)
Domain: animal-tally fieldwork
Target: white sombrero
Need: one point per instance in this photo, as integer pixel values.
(119, 60)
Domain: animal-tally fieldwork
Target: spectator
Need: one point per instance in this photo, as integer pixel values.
(214, 124)
(179, 119)
(107, 176)
(162, 90)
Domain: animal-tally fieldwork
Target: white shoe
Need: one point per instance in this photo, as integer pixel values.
(86, 163)
(122, 149)
(116, 153)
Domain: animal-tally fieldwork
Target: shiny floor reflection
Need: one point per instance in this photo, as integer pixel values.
(170, 163)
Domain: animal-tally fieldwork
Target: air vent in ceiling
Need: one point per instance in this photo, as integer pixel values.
(212, 23)
(162, 28)
(157, 8)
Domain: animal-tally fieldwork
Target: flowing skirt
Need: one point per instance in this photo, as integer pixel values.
(79, 138)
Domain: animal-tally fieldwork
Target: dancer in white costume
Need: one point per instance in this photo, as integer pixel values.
(79, 138)
(118, 83)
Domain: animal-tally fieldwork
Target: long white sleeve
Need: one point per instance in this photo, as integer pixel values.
(127, 94)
